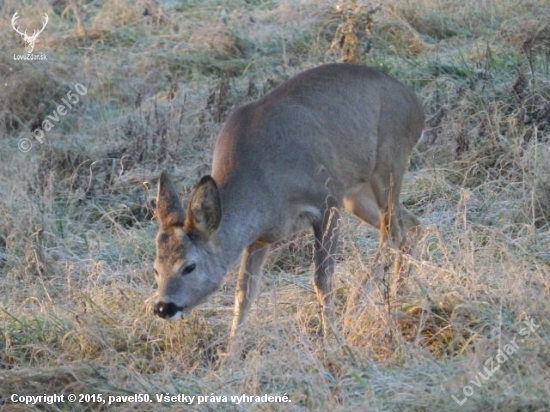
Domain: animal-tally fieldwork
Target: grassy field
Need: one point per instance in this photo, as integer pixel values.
(77, 232)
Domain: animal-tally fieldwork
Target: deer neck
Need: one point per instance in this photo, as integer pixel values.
(238, 229)
(242, 223)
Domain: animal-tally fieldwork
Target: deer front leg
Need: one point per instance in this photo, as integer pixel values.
(248, 282)
(326, 243)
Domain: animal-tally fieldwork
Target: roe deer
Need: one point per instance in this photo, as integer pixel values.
(337, 135)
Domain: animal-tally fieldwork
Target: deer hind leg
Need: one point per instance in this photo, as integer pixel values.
(361, 201)
(326, 243)
(398, 225)
(377, 203)
(248, 282)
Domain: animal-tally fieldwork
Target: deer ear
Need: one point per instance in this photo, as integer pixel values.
(169, 208)
(205, 213)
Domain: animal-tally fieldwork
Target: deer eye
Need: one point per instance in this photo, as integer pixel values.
(156, 272)
(188, 269)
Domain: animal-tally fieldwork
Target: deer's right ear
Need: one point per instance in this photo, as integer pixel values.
(169, 208)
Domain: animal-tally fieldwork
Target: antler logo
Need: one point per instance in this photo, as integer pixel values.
(29, 40)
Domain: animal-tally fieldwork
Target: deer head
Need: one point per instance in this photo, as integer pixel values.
(29, 40)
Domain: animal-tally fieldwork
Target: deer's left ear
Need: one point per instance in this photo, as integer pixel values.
(205, 213)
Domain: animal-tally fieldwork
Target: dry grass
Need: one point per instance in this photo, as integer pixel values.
(76, 236)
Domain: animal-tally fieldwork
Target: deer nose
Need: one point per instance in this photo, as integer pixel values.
(166, 310)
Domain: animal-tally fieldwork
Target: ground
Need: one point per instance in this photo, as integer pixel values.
(464, 328)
